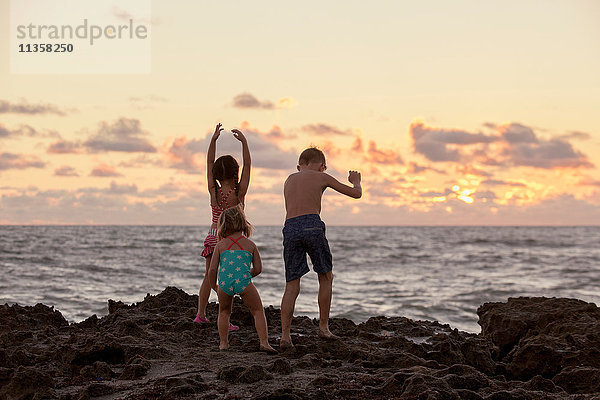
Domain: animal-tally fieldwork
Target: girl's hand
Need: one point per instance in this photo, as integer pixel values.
(238, 135)
(218, 130)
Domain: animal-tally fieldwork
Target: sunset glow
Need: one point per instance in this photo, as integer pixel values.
(455, 114)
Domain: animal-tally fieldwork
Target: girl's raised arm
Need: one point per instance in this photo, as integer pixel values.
(210, 160)
(245, 177)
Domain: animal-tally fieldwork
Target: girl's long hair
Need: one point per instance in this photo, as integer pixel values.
(233, 220)
(225, 167)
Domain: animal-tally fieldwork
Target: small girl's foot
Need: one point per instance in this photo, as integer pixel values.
(233, 327)
(224, 347)
(267, 349)
(201, 320)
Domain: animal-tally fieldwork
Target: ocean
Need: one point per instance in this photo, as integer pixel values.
(432, 273)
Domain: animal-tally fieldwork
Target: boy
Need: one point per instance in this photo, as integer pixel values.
(304, 232)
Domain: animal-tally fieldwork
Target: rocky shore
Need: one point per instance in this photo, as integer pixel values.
(529, 348)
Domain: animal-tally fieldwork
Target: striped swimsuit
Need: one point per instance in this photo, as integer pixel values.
(211, 239)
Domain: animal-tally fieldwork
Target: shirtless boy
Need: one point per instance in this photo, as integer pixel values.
(304, 232)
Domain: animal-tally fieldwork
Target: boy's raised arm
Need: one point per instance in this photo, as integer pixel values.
(210, 158)
(354, 191)
(245, 177)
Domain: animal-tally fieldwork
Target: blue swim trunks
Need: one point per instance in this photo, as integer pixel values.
(303, 235)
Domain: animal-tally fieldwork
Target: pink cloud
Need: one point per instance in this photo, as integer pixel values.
(513, 145)
(19, 161)
(104, 170)
(65, 171)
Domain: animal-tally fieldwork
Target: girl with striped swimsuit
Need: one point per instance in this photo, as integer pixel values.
(225, 192)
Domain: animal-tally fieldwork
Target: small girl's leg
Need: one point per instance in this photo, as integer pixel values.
(225, 304)
(252, 300)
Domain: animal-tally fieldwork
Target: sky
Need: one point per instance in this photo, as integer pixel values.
(455, 113)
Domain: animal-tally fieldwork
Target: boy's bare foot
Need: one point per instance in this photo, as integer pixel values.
(327, 335)
(224, 347)
(285, 345)
(267, 349)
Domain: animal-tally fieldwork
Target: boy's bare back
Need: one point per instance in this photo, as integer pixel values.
(303, 190)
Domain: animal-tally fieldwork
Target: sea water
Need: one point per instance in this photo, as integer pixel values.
(433, 273)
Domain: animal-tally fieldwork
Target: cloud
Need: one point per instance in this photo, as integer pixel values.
(588, 182)
(65, 171)
(123, 135)
(24, 130)
(64, 147)
(433, 142)
(415, 168)
(471, 170)
(19, 161)
(146, 102)
(249, 101)
(512, 145)
(517, 133)
(324, 129)
(141, 161)
(29, 109)
(554, 153)
(122, 189)
(575, 135)
(104, 170)
(183, 154)
(496, 182)
(372, 153)
(382, 156)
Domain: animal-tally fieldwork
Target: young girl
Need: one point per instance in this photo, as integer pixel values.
(225, 192)
(232, 257)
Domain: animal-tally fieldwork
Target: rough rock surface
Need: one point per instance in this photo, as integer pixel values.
(531, 348)
(558, 339)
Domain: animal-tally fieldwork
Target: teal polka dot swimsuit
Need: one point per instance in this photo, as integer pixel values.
(234, 269)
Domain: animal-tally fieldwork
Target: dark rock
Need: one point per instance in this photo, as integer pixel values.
(517, 394)
(465, 394)
(254, 373)
(97, 370)
(96, 389)
(579, 380)
(541, 384)
(542, 336)
(137, 367)
(419, 383)
(114, 306)
(5, 374)
(16, 317)
(28, 383)
(322, 381)
(283, 394)
(231, 373)
(89, 323)
(281, 366)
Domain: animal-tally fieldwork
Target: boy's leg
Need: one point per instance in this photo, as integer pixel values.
(225, 304)
(288, 303)
(252, 300)
(325, 289)
(204, 293)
